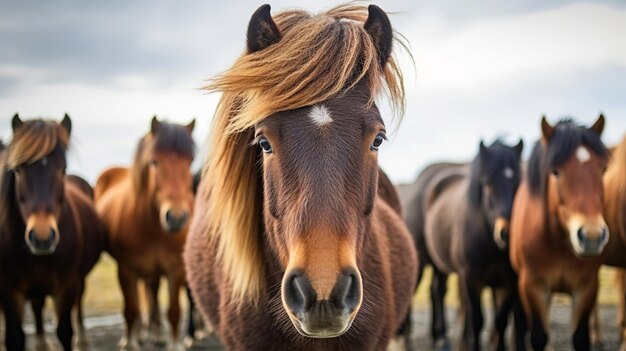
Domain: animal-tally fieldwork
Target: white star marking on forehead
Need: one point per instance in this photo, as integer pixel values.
(582, 154)
(508, 173)
(320, 115)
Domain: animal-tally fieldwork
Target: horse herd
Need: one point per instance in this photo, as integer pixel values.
(296, 239)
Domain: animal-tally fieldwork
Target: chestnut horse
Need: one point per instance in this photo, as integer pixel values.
(615, 215)
(50, 236)
(558, 232)
(146, 210)
(296, 245)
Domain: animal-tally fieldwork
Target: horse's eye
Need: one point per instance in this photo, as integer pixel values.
(380, 137)
(555, 172)
(265, 145)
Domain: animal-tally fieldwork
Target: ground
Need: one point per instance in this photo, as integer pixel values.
(105, 324)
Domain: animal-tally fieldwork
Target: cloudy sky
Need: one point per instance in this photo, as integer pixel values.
(482, 69)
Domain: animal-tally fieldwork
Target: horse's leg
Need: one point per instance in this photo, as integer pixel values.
(521, 324)
(620, 275)
(536, 301)
(473, 313)
(128, 282)
(191, 325)
(438, 290)
(37, 305)
(583, 302)
(64, 301)
(176, 281)
(155, 327)
(13, 306)
(595, 325)
(81, 339)
(508, 298)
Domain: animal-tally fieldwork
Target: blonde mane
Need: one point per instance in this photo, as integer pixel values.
(33, 141)
(318, 57)
(615, 188)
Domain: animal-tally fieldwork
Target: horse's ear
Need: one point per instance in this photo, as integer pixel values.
(154, 125)
(262, 31)
(482, 149)
(546, 130)
(191, 125)
(379, 28)
(598, 127)
(67, 123)
(16, 122)
(519, 147)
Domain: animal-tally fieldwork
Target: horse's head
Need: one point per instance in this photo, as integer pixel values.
(575, 161)
(320, 172)
(495, 177)
(163, 161)
(37, 158)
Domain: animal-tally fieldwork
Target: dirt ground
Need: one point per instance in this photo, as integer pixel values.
(104, 322)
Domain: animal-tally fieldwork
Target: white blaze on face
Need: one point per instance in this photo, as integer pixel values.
(582, 154)
(508, 173)
(320, 115)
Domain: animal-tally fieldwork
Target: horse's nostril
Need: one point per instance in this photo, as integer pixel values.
(504, 234)
(169, 217)
(581, 234)
(298, 292)
(604, 232)
(346, 294)
(51, 236)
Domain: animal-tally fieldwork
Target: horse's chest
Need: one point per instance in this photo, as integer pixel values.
(151, 258)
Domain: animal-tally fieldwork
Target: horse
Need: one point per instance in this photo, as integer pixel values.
(296, 245)
(459, 214)
(50, 235)
(614, 209)
(558, 232)
(146, 210)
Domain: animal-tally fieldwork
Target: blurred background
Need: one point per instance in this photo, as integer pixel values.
(482, 69)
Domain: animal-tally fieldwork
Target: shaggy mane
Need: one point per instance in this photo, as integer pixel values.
(318, 57)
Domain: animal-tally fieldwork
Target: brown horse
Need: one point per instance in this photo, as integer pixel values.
(297, 246)
(615, 215)
(558, 232)
(50, 236)
(146, 209)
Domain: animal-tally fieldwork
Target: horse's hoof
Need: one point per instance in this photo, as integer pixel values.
(126, 345)
(442, 345)
(188, 341)
(41, 344)
(175, 346)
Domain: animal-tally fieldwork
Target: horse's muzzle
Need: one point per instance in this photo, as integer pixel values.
(42, 243)
(589, 240)
(326, 318)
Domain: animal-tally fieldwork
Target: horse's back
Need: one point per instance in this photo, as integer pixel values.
(108, 179)
(615, 206)
(82, 184)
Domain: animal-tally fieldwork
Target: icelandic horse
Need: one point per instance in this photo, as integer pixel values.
(298, 243)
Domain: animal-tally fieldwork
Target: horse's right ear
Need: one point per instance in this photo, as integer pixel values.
(191, 125)
(546, 130)
(598, 126)
(154, 125)
(16, 122)
(379, 28)
(262, 31)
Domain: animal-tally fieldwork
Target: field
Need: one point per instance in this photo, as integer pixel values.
(103, 303)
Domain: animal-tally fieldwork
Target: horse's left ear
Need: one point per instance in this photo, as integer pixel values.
(519, 147)
(191, 125)
(598, 127)
(482, 149)
(67, 123)
(16, 122)
(379, 28)
(262, 30)
(154, 125)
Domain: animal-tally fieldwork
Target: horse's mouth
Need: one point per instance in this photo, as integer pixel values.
(331, 329)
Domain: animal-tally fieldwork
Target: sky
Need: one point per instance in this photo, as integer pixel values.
(483, 69)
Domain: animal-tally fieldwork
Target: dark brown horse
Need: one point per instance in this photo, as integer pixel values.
(146, 211)
(296, 246)
(459, 214)
(558, 232)
(50, 235)
(615, 215)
